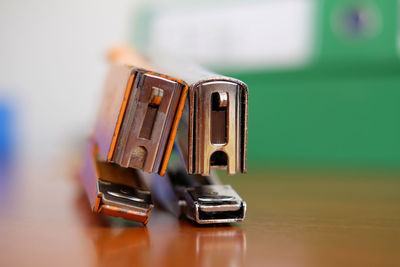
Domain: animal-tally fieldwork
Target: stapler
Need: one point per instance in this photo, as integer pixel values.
(134, 133)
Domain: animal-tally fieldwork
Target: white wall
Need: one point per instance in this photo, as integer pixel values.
(52, 62)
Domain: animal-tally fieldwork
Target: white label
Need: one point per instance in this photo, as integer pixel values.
(274, 33)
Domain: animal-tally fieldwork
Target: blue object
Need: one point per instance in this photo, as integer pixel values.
(7, 144)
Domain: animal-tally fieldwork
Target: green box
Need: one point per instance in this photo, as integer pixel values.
(339, 111)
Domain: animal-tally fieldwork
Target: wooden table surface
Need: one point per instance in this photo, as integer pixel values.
(293, 220)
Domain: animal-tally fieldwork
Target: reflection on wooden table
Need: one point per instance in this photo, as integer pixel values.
(165, 241)
(293, 220)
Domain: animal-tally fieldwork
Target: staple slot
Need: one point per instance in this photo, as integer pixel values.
(219, 104)
(148, 122)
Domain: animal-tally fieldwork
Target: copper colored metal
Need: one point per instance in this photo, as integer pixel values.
(138, 118)
(134, 132)
(113, 190)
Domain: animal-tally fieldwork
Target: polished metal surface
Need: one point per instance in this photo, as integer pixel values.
(202, 199)
(146, 126)
(128, 202)
(213, 133)
(114, 190)
(210, 204)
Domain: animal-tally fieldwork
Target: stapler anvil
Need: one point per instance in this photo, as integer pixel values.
(202, 199)
(114, 190)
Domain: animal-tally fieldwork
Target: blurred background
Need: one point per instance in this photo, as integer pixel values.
(324, 76)
(322, 187)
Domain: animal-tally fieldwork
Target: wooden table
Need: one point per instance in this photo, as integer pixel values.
(293, 219)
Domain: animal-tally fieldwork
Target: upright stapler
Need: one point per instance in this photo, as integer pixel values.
(212, 134)
(134, 132)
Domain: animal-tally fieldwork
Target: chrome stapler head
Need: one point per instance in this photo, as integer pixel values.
(217, 126)
(139, 117)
